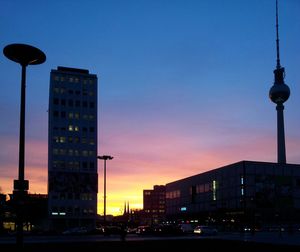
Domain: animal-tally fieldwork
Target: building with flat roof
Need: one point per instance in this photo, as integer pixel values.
(72, 148)
(242, 193)
(154, 204)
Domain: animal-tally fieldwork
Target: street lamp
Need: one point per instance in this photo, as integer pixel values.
(105, 157)
(24, 55)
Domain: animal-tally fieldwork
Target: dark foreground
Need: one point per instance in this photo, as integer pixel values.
(154, 245)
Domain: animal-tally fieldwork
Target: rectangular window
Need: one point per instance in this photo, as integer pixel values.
(55, 113)
(55, 101)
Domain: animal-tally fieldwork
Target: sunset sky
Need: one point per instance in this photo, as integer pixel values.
(182, 86)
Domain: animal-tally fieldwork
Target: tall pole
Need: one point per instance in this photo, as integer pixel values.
(22, 125)
(21, 190)
(104, 157)
(24, 55)
(104, 211)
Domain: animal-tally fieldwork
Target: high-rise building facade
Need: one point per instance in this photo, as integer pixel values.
(72, 148)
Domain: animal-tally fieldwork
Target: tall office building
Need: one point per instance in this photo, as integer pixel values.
(72, 149)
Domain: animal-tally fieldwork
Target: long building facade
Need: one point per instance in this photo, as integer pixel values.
(72, 149)
(244, 193)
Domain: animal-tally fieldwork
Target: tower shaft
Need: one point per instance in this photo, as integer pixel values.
(281, 155)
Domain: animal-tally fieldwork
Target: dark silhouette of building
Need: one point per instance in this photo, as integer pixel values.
(72, 149)
(34, 210)
(154, 204)
(243, 193)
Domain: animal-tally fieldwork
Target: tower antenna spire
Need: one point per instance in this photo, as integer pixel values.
(277, 38)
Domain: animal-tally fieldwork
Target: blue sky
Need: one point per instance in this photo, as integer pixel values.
(183, 85)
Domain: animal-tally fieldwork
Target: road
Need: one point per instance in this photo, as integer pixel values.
(260, 241)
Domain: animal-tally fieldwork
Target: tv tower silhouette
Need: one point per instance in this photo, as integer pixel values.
(278, 94)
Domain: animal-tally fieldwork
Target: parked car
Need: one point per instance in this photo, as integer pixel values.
(75, 230)
(186, 228)
(142, 230)
(205, 230)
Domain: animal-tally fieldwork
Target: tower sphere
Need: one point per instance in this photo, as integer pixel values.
(279, 93)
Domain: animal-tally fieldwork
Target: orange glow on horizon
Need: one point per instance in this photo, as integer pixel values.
(128, 174)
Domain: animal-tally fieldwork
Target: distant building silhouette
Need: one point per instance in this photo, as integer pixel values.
(34, 210)
(72, 148)
(154, 204)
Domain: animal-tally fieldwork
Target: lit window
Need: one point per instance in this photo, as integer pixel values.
(76, 128)
(62, 139)
(70, 127)
(214, 189)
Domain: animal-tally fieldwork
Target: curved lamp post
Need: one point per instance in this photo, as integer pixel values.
(24, 55)
(105, 157)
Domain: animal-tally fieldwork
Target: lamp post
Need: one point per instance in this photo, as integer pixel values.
(24, 55)
(105, 157)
